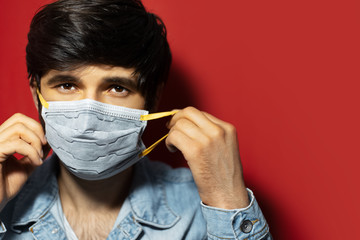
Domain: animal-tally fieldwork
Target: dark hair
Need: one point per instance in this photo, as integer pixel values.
(67, 34)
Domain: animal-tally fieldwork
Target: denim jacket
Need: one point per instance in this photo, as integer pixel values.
(164, 205)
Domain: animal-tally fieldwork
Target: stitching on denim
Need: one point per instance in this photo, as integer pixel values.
(255, 221)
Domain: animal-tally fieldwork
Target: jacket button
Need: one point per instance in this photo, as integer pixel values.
(246, 226)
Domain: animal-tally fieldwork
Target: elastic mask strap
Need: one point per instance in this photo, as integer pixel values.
(42, 100)
(153, 116)
(149, 149)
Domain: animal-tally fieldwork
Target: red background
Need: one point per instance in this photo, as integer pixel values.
(285, 73)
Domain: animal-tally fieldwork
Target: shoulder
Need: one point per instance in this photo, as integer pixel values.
(34, 198)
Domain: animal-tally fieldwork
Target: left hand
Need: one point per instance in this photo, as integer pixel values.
(210, 147)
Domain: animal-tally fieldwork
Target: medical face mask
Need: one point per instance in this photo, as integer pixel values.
(95, 140)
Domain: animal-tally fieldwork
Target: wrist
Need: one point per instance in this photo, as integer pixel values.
(234, 200)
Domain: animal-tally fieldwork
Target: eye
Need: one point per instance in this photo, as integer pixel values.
(118, 90)
(66, 87)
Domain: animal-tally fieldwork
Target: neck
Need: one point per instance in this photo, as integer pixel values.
(81, 195)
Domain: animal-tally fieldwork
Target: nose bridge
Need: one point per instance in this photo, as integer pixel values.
(91, 93)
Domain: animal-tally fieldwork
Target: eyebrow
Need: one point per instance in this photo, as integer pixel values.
(62, 78)
(122, 81)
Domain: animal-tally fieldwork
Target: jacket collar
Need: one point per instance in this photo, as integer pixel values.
(147, 196)
(37, 195)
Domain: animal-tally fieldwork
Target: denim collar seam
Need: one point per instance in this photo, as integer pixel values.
(164, 206)
(41, 209)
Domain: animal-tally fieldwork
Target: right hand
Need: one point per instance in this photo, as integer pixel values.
(23, 135)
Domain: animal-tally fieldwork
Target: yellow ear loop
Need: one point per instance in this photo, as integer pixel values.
(42, 100)
(151, 117)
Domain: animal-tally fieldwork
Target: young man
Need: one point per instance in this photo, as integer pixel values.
(96, 68)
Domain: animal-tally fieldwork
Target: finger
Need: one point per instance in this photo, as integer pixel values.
(208, 127)
(19, 130)
(29, 122)
(19, 146)
(230, 129)
(178, 140)
(194, 115)
(191, 130)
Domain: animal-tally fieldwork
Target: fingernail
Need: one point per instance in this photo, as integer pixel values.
(44, 139)
(41, 161)
(42, 153)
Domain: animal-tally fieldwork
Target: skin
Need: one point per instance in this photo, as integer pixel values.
(208, 144)
(210, 147)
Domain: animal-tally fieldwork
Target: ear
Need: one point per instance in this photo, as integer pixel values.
(35, 96)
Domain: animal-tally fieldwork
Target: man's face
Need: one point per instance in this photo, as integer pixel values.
(112, 85)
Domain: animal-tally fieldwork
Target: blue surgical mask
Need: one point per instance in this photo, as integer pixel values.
(96, 140)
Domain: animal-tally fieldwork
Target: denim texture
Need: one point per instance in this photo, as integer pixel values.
(164, 204)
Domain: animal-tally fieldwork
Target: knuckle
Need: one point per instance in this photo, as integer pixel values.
(173, 133)
(189, 110)
(231, 128)
(181, 123)
(206, 141)
(20, 128)
(217, 132)
(17, 116)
